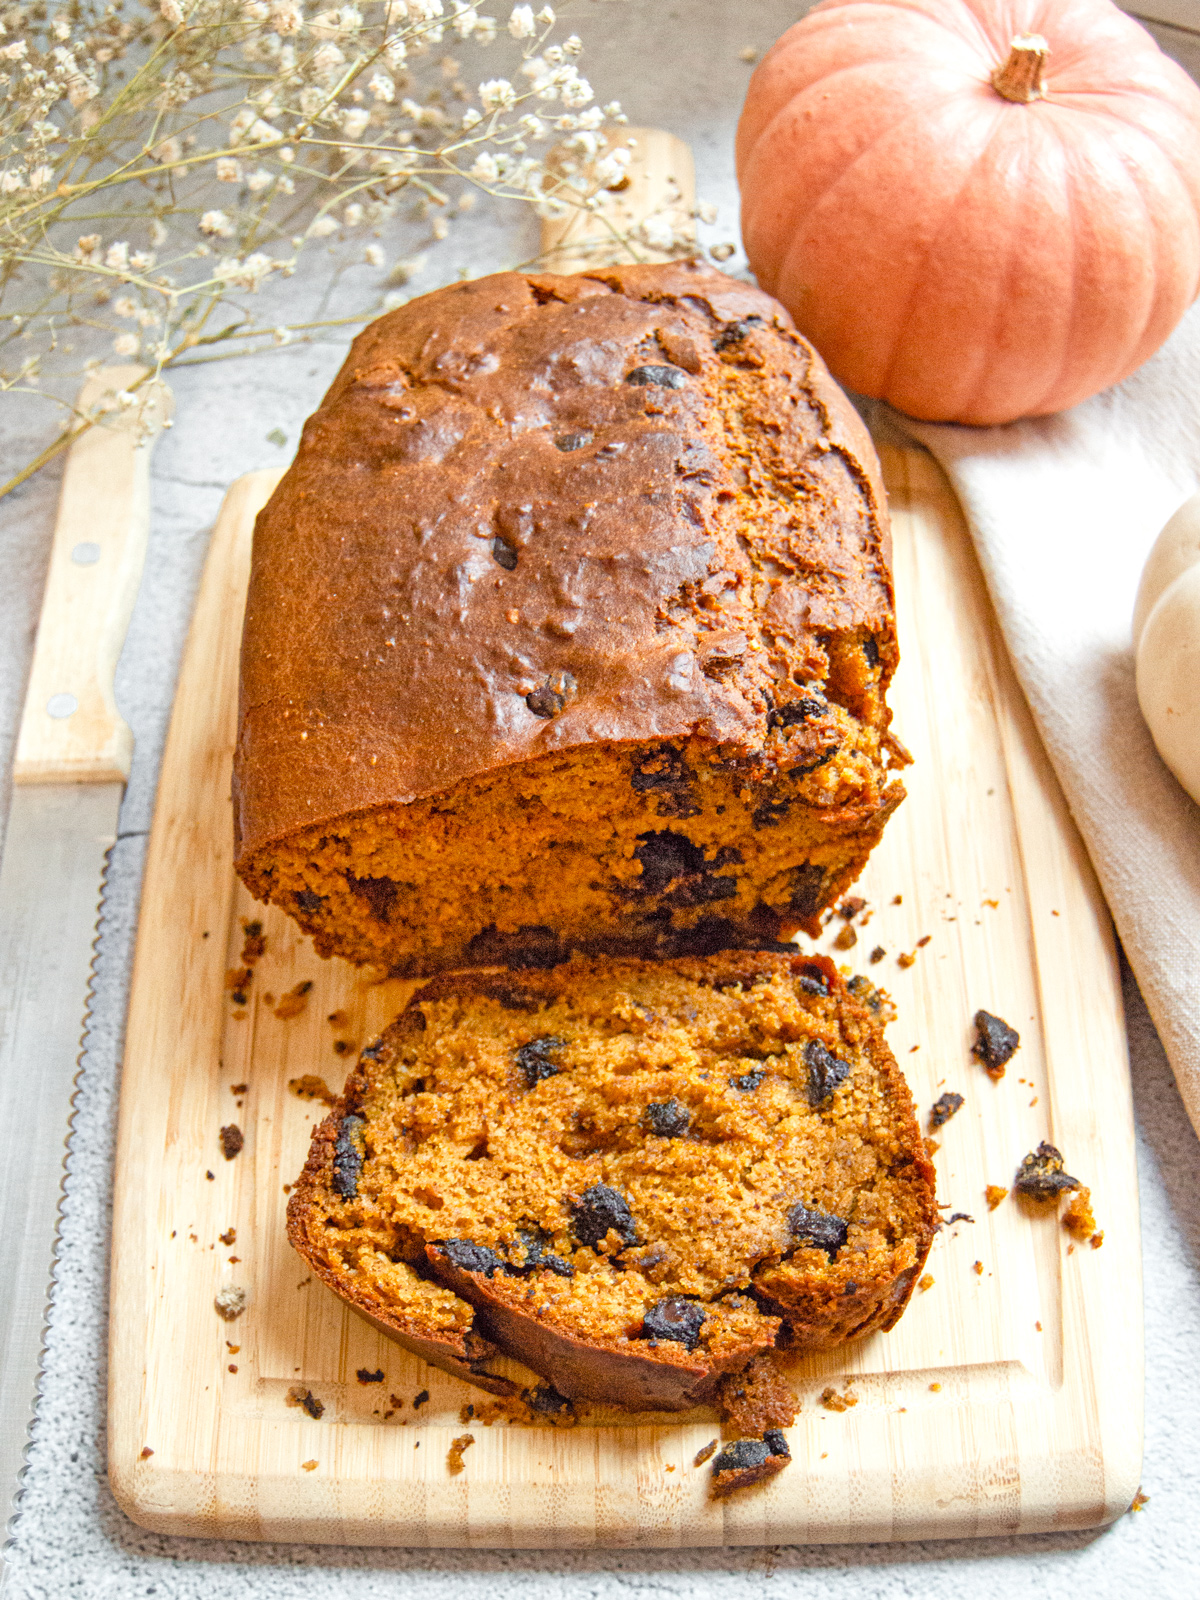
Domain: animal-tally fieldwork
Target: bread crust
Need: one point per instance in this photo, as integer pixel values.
(463, 1354)
(377, 671)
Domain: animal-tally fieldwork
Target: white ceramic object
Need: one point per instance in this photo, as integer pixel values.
(1166, 640)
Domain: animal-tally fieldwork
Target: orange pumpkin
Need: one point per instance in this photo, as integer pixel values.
(975, 209)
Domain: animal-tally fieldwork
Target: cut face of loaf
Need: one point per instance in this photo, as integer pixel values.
(632, 1176)
(569, 630)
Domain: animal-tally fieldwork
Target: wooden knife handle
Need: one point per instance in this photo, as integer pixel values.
(71, 730)
(661, 185)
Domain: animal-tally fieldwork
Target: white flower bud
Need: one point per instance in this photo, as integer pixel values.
(229, 170)
(497, 94)
(354, 123)
(217, 224)
(520, 23)
(322, 227)
(286, 18)
(576, 92)
(125, 344)
(258, 180)
(373, 255)
(484, 167)
(382, 88)
(352, 215)
(171, 12)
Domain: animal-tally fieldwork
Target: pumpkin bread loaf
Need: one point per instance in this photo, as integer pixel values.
(634, 1176)
(569, 630)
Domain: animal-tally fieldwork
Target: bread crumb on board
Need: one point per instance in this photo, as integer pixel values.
(454, 1456)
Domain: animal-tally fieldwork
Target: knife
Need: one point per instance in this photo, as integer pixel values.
(72, 761)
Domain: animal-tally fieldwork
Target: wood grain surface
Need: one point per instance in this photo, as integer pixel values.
(71, 730)
(1008, 1398)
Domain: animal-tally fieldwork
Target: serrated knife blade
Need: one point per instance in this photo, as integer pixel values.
(72, 761)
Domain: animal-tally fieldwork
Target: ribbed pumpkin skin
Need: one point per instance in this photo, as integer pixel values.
(965, 257)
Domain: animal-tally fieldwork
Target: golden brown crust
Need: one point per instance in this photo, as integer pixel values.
(464, 1354)
(380, 664)
(810, 1292)
(668, 1378)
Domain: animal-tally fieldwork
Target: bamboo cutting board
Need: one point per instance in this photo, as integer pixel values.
(1008, 1398)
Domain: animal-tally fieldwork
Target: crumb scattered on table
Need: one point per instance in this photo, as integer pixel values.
(833, 1401)
(454, 1456)
(706, 1454)
(232, 1139)
(230, 1301)
(944, 1107)
(305, 1400)
(994, 1194)
(995, 1043)
(294, 1001)
(310, 1087)
(926, 1282)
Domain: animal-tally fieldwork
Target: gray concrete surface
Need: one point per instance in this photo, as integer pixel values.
(676, 65)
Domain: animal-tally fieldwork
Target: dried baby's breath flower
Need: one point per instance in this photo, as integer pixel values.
(161, 160)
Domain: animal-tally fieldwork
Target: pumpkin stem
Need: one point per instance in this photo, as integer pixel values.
(1020, 77)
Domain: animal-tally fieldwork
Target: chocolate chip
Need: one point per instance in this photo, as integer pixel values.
(669, 858)
(549, 698)
(665, 773)
(802, 769)
(665, 377)
(420, 1399)
(533, 1245)
(734, 332)
(546, 1401)
(504, 554)
(677, 1319)
(877, 954)
(534, 1059)
(572, 441)
(365, 1375)
(825, 1071)
(944, 1108)
(232, 1140)
(748, 1080)
(818, 1230)
(470, 1257)
(348, 1152)
(306, 900)
(778, 1444)
(871, 650)
(812, 979)
(808, 889)
(795, 711)
(669, 1119)
(996, 1042)
(599, 1210)
(379, 893)
(741, 1454)
(1041, 1174)
(770, 813)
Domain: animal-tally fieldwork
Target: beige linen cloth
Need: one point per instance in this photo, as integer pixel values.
(1063, 511)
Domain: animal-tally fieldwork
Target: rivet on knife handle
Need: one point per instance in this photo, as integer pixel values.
(71, 730)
